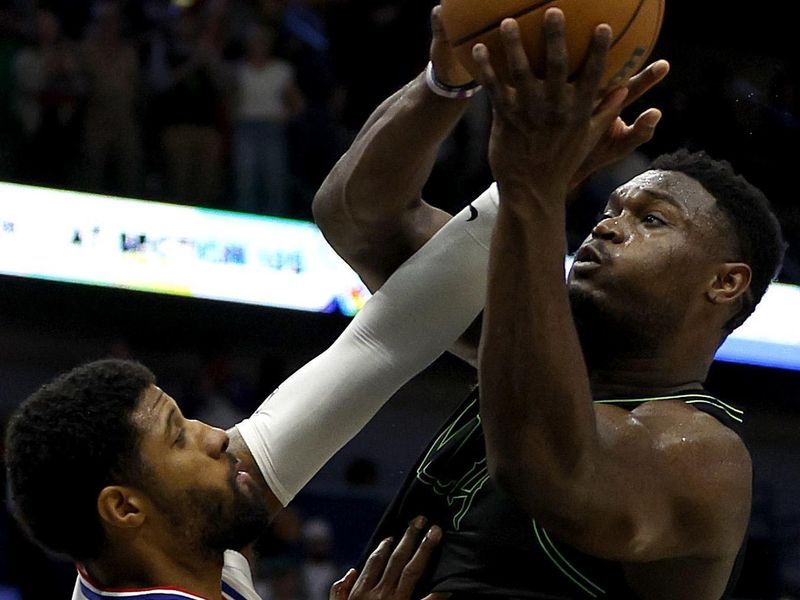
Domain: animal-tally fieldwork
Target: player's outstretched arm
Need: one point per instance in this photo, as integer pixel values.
(407, 324)
(369, 207)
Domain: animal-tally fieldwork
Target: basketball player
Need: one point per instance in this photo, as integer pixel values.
(156, 500)
(146, 499)
(104, 468)
(606, 469)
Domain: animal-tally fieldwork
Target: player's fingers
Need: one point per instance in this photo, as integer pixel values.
(557, 67)
(341, 589)
(416, 566)
(591, 74)
(403, 552)
(609, 108)
(643, 81)
(644, 127)
(374, 567)
(436, 24)
(498, 92)
(519, 67)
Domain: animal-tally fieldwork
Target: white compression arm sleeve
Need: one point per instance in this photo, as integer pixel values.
(409, 322)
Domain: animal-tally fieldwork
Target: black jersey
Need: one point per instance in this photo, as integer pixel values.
(490, 545)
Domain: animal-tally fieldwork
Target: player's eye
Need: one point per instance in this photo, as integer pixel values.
(651, 219)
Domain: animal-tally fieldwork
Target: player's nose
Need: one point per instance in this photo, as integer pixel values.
(215, 441)
(610, 229)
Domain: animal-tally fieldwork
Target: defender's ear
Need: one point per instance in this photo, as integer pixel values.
(729, 283)
(121, 506)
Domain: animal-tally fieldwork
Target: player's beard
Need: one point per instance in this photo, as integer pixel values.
(211, 520)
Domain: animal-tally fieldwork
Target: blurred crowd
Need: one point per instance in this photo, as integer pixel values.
(247, 104)
(237, 104)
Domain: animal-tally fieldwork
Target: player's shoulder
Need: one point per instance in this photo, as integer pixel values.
(704, 454)
(685, 420)
(706, 465)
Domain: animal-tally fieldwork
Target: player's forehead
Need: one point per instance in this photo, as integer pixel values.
(673, 187)
(153, 409)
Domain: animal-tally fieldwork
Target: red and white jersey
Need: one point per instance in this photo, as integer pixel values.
(237, 584)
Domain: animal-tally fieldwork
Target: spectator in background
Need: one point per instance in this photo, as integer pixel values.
(113, 152)
(266, 98)
(317, 137)
(186, 73)
(220, 396)
(47, 94)
(10, 41)
(319, 569)
(279, 553)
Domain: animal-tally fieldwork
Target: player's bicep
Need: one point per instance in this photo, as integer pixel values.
(375, 247)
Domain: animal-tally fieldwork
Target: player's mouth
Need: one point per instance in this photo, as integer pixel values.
(589, 256)
(239, 476)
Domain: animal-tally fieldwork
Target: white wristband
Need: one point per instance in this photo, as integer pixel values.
(410, 321)
(459, 92)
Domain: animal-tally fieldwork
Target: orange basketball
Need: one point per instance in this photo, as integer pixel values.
(635, 25)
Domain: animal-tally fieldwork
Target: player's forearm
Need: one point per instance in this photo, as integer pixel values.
(404, 327)
(535, 398)
(369, 207)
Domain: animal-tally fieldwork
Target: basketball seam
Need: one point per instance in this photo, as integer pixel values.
(495, 24)
(658, 27)
(628, 25)
(529, 9)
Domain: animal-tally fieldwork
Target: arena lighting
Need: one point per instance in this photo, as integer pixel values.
(170, 249)
(219, 255)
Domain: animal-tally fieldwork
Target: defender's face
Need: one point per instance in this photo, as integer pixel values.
(195, 483)
(653, 249)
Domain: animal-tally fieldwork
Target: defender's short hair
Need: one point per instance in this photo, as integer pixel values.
(65, 443)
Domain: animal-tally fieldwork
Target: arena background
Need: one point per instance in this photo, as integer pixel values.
(734, 90)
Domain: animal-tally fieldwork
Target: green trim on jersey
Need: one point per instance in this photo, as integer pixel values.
(733, 412)
(563, 565)
(469, 484)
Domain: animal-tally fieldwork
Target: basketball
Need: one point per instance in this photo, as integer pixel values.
(635, 25)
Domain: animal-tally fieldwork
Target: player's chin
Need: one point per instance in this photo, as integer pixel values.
(582, 280)
(583, 288)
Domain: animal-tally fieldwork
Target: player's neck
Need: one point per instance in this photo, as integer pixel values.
(647, 376)
(629, 362)
(128, 569)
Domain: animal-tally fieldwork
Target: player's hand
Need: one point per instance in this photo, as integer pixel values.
(392, 574)
(544, 129)
(447, 67)
(620, 139)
